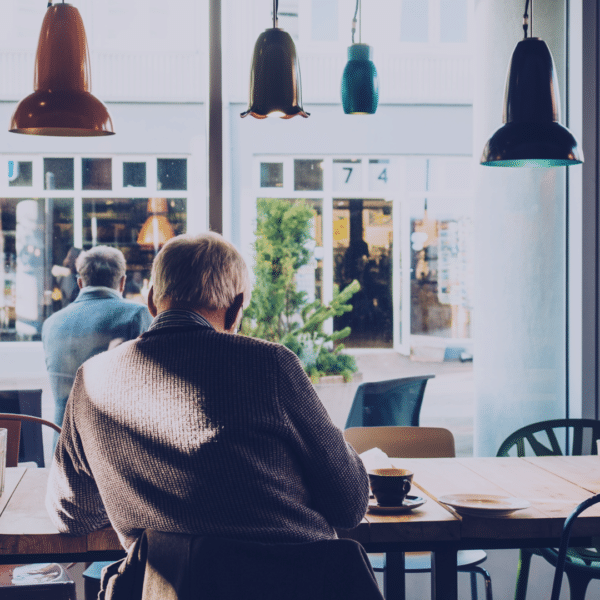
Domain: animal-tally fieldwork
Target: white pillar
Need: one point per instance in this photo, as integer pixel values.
(519, 321)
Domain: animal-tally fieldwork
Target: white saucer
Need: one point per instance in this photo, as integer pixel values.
(409, 503)
(484, 505)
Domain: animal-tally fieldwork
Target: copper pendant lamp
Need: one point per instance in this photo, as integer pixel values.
(532, 135)
(62, 104)
(156, 230)
(275, 88)
(360, 84)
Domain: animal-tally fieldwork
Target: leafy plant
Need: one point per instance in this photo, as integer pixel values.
(278, 312)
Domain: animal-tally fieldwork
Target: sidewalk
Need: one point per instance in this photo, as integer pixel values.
(448, 401)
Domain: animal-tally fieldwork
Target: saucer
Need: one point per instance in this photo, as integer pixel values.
(484, 505)
(409, 503)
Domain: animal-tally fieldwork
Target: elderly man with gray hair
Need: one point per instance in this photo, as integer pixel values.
(98, 319)
(192, 429)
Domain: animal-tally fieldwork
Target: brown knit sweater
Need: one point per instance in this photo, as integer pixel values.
(188, 430)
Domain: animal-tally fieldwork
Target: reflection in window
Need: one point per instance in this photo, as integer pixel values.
(172, 173)
(20, 174)
(453, 21)
(308, 175)
(414, 23)
(27, 260)
(117, 222)
(58, 174)
(96, 173)
(271, 174)
(134, 174)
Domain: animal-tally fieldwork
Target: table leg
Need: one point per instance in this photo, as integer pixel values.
(444, 584)
(394, 578)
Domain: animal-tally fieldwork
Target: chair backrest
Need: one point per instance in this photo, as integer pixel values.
(391, 402)
(12, 423)
(553, 438)
(403, 442)
(564, 544)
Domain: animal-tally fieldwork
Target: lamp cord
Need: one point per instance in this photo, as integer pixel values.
(354, 21)
(275, 9)
(526, 19)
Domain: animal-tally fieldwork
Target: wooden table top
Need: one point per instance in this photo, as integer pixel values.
(553, 485)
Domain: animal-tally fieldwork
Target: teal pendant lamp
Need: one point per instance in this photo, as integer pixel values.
(360, 85)
(531, 135)
(275, 87)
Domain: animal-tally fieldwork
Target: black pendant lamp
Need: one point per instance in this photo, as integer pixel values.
(275, 88)
(360, 85)
(62, 104)
(532, 135)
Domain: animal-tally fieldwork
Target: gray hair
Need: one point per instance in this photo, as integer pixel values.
(101, 265)
(202, 271)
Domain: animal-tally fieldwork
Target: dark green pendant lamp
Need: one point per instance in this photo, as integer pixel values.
(275, 88)
(360, 85)
(532, 135)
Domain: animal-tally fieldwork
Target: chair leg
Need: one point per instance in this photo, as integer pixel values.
(523, 573)
(578, 584)
(473, 570)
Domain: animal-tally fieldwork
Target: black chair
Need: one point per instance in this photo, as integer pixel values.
(564, 544)
(555, 438)
(391, 402)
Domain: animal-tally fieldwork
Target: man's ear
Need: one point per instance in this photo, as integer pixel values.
(80, 283)
(151, 305)
(233, 311)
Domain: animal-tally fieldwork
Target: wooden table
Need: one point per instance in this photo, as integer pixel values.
(553, 485)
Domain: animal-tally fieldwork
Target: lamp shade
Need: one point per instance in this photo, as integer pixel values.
(275, 86)
(156, 230)
(360, 84)
(531, 135)
(62, 104)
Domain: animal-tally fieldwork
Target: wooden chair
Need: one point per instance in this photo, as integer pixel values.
(47, 581)
(391, 402)
(418, 442)
(12, 423)
(555, 438)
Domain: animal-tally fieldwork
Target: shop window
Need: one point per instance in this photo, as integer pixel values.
(453, 21)
(172, 173)
(134, 174)
(271, 175)
(20, 173)
(308, 175)
(414, 23)
(96, 173)
(59, 174)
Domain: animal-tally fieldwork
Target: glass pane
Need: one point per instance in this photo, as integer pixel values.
(324, 20)
(347, 175)
(271, 174)
(33, 235)
(96, 173)
(414, 21)
(20, 173)
(453, 21)
(58, 174)
(362, 250)
(379, 175)
(119, 222)
(134, 174)
(172, 173)
(287, 14)
(308, 175)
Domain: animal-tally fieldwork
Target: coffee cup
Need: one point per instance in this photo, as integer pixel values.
(390, 486)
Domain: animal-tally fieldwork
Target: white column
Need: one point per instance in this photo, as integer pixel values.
(519, 321)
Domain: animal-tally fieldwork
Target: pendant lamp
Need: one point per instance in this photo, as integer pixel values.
(532, 135)
(156, 230)
(275, 88)
(360, 85)
(62, 104)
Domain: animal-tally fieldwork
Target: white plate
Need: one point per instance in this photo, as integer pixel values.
(484, 505)
(409, 503)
